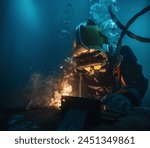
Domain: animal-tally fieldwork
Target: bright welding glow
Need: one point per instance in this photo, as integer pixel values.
(65, 90)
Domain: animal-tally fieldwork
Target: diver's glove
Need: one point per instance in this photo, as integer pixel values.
(117, 103)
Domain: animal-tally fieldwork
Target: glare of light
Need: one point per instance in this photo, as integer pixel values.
(26, 9)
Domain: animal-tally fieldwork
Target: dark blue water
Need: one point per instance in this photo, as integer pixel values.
(33, 39)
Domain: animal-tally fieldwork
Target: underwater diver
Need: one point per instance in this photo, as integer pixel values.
(94, 72)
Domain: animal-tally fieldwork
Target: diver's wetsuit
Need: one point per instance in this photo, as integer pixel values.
(131, 71)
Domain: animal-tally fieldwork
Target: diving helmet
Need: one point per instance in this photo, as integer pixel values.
(88, 35)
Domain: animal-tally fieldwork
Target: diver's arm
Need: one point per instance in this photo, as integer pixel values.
(136, 83)
(136, 86)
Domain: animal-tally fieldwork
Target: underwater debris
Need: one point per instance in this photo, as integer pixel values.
(39, 91)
